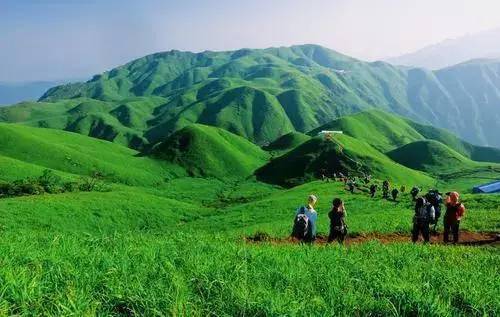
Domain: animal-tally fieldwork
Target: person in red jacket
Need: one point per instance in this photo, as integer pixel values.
(454, 213)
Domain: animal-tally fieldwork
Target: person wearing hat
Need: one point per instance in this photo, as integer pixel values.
(455, 210)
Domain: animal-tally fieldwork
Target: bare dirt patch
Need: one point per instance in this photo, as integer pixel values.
(469, 238)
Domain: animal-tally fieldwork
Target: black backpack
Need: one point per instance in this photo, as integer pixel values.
(434, 198)
(301, 225)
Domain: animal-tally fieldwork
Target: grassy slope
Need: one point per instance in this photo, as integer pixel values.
(176, 248)
(446, 164)
(475, 153)
(122, 122)
(36, 149)
(286, 143)
(386, 132)
(131, 251)
(380, 129)
(307, 161)
(431, 156)
(209, 151)
(364, 214)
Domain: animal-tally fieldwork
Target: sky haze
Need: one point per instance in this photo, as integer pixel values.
(56, 39)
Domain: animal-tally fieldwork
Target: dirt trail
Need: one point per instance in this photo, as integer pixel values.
(469, 238)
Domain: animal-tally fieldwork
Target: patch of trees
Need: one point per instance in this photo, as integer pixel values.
(51, 183)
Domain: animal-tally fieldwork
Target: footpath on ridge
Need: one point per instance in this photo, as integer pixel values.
(467, 238)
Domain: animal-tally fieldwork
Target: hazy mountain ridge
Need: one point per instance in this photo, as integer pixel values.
(263, 94)
(453, 51)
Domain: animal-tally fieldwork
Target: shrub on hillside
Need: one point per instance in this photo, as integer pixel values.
(51, 183)
(93, 183)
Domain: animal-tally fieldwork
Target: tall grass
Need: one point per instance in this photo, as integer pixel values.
(193, 274)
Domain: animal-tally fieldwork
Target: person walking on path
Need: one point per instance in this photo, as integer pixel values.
(386, 186)
(338, 226)
(304, 226)
(455, 210)
(373, 190)
(423, 217)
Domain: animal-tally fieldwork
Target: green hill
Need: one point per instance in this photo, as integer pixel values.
(261, 94)
(382, 130)
(430, 156)
(26, 151)
(445, 164)
(211, 152)
(286, 142)
(347, 155)
(386, 132)
(474, 152)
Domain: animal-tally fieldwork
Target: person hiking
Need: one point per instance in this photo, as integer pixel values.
(424, 215)
(402, 189)
(414, 192)
(385, 189)
(304, 225)
(435, 198)
(454, 213)
(373, 190)
(367, 179)
(338, 227)
(351, 185)
(395, 193)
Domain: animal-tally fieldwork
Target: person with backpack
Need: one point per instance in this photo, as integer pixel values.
(385, 189)
(454, 213)
(395, 193)
(304, 225)
(435, 199)
(414, 192)
(373, 190)
(424, 215)
(338, 226)
(351, 185)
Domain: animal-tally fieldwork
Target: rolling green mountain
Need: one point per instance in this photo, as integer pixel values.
(27, 151)
(347, 155)
(211, 152)
(429, 156)
(386, 132)
(444, 163)
(262, 94)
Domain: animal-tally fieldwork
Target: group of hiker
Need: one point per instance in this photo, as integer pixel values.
(427, 212)
(304, 227)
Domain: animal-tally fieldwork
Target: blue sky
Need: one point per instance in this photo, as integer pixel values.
(59, 39)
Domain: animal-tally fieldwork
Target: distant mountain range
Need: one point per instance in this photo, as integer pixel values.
(484, 45)
(262, 94)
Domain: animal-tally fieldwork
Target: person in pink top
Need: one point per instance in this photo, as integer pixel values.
(455, 210)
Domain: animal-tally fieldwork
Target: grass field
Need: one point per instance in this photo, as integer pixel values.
(141, 251)
(159, 243)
